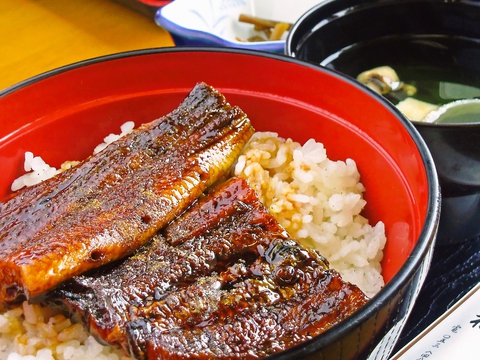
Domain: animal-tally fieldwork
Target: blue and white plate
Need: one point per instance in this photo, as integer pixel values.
(215, 22)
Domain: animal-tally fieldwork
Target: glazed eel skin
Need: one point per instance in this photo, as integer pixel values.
(116, 200)
(223, 281)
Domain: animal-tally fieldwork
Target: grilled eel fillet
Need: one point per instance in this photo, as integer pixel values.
(115, 201)
(224, 280)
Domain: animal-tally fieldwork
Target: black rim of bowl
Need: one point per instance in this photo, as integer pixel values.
(428, 232)
(327, 9)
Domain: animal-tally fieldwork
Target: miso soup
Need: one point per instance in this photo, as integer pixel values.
(441, 68)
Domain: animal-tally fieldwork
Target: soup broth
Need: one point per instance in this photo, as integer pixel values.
(442, 69)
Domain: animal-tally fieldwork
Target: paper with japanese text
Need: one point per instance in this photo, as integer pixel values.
(455, 335)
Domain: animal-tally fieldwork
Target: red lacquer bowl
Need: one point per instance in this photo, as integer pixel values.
(61, 115)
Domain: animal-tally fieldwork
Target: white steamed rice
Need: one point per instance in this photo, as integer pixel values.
(317, 200)
(37, 170)
(31, 332)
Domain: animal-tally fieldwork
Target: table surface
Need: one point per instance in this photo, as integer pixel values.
(455, 269)
(42, 35)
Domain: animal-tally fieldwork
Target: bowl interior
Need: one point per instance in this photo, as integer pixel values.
(433, 45)
(64, 114)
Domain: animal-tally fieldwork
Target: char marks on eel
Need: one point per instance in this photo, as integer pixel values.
(224, 280)
(115, 201)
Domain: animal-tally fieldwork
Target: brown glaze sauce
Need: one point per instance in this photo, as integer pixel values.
(115, 201)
